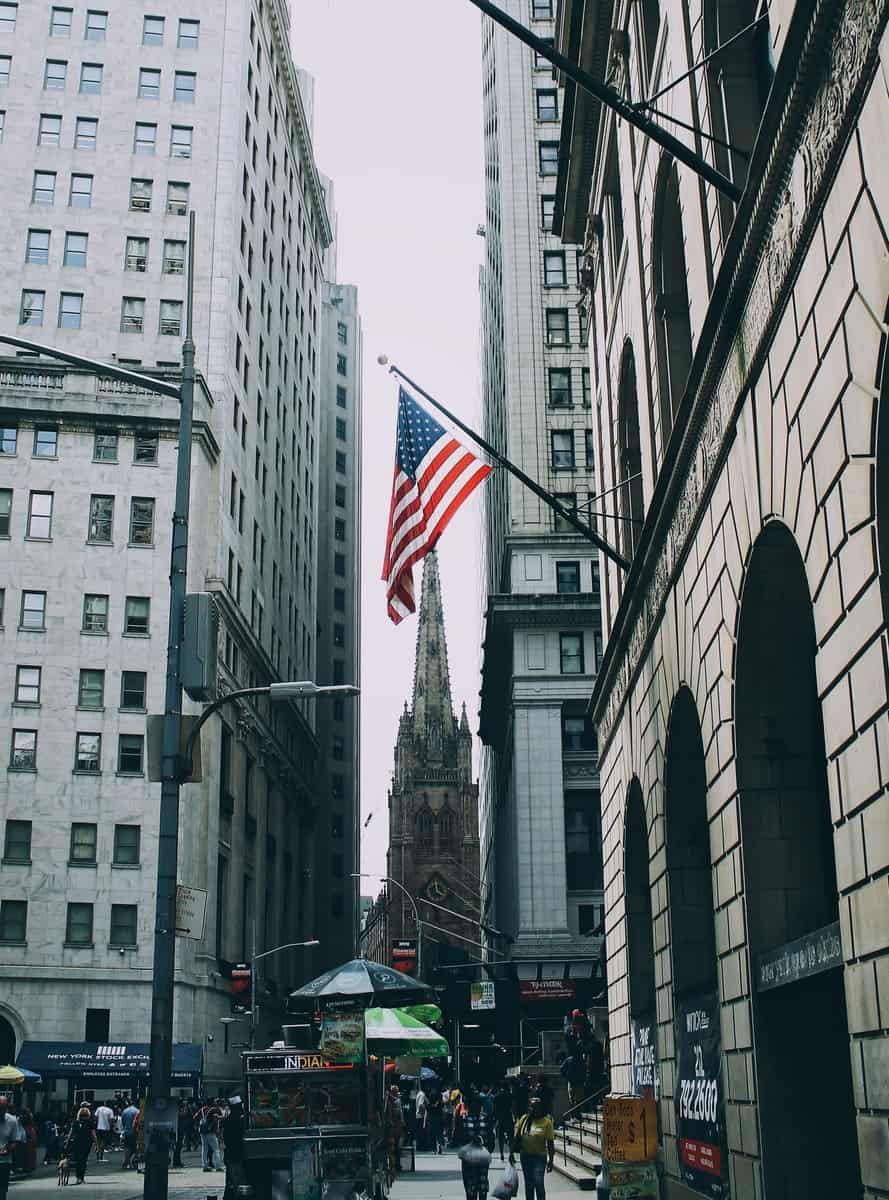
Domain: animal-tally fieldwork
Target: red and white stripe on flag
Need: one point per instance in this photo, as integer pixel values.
(434, 474)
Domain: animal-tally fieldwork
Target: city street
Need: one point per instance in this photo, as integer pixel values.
(438, 1178)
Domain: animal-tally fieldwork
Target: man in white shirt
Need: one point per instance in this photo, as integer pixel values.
(9, 1135)
(104, 1124)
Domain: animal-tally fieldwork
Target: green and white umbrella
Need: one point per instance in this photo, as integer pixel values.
(395, 1031)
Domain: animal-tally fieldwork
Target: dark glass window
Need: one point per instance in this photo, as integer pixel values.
(567, 577)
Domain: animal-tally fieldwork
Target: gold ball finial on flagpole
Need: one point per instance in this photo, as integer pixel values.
(383, 360)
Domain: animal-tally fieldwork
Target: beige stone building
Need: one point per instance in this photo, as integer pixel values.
(738, 357)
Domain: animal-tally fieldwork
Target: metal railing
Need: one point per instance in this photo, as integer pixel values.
(593, 1100)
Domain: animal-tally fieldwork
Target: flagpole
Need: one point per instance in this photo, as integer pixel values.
(566, 514)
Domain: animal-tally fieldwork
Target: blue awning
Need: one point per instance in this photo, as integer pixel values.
(99, 1060)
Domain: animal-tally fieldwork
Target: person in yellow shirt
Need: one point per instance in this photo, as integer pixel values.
(535, 1142)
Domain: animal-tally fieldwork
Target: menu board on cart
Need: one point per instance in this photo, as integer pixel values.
(342, 1036)
(304, 1181)
(345, 1168)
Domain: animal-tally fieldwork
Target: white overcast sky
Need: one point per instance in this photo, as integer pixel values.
(398, 127)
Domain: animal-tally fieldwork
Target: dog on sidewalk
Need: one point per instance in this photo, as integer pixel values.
(64, 1171)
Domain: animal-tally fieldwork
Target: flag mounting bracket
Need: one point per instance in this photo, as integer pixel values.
(567, 515)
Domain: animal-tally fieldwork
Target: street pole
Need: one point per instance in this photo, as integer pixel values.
(413, 904)
(157, 1148)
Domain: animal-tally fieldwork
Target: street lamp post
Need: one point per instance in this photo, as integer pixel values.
(413, 904)
(256, 957)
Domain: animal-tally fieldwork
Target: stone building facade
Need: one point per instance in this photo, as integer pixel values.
(115, 123)
(433, 803)
(541, 835)
(738, 353)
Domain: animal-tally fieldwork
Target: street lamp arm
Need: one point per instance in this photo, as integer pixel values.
(99, 368)
(289, 946)
(208, 712)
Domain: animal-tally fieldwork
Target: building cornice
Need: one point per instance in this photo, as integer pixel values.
(827, 63)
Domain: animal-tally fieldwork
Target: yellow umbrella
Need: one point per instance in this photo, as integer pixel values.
(11, 1075)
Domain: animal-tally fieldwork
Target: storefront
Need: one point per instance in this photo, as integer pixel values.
(95, 1069)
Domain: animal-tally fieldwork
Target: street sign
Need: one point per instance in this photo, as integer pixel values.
(191, 912)
(630, 1129)
(481, 995)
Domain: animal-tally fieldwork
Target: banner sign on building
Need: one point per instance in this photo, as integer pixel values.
(646, 1075)
(481, 995)
(242, 975)
(532, 990)
(404, 955)
(819, 951)
(700, 1111)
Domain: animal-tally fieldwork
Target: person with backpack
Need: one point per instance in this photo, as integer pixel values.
(208, 1119)
(535, 1143)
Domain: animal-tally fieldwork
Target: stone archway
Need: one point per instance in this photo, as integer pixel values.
(640, 941)
(8, 1041)
(800, 1030)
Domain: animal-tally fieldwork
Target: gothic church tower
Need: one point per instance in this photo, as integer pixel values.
(433, 803)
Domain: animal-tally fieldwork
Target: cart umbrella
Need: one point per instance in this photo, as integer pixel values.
(367, 983)
(394, 1031)
(11, 1076)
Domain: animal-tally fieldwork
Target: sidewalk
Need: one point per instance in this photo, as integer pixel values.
(108, 1182)
(438, 1177)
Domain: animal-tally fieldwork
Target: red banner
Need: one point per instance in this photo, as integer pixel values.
(701, 1156)
(547, 989)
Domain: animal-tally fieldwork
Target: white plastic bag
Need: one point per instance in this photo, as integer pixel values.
(511, 1181)
(502, 1192)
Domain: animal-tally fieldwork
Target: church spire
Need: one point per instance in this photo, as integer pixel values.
(434, 726)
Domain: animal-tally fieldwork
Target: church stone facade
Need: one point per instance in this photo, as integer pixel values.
(433, 803)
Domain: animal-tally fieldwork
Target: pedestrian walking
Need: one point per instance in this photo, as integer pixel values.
(394, 1128)
(29, 1146)
(128, 1132)
(476, 1123)
(81, 1142)
(474, 1163)
(435, 1123)
(535, 1144)
(208, 1119)
(503, 1120)
(50, 1141)
(9, 1136)
(104, 1126)
(182, 1124)
(233, 1137)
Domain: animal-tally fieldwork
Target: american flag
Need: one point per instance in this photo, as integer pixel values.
(434, 474)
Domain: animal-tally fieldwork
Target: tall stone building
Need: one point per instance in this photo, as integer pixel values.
(541, 860)
(741, 403)
(433, 803)
(116, 121)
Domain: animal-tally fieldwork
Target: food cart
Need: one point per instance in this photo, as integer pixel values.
(314, 1127)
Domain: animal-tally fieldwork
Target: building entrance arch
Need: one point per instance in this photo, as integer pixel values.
(8, 1046)
(800, 1029)
(640, 938)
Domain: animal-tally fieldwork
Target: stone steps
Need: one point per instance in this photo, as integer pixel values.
(579, 1152)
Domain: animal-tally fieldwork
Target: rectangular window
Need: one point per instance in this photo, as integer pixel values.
(567, 578)
(5, 511)
(136, 254)
(340, 397)
(141, 521)
(43, 190)
(170, 323)
(105, 443)
(79, 925)
(132, 689)
(9, 436)
(571, 653)
(27, 685)
(144, 138)
(589, 449)
(189, 35)
(31, 312)
(126, 845)
(341, 429)
(568, 500)
(96, 26)
(342, 333)
(84, 839)
(101, 526)
(60, 22)
(180, 141)
(587, 392)
(17, 842)
(339, 564)
(55, 72)
(541, 10)
(174, 258)
(91, 79)
(153, 31)
(81, 194)
(339, 530)
(97, 1025)
(340, 462)
(576, 733)
(46, 442)
(140, 195)
(13, 920)
(23, 756)
(95, 613)
(75, 249)
(177, 199)
(130, 753)
(88, 755)
(86, 133)
(547, 213)
(341, 364)
(560, 387)
(49, 130)
(145, 448)
(70, 310)
(5, 69)
(8, 14)
(2, 122)
(149, 85)
(547, 106)
(339, 599)
(124, 922)
(137, 614)
(40, 516)
(91, 688)
(562, 447)
(132, 315)
(184, 85)
(548, 158)
(340, 495)
(557, 327)
(554, 268)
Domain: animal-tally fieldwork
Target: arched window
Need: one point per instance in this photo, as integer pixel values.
(739, 80)
(672, 320)
(446, 828)
(631, 507)
(424, 832)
